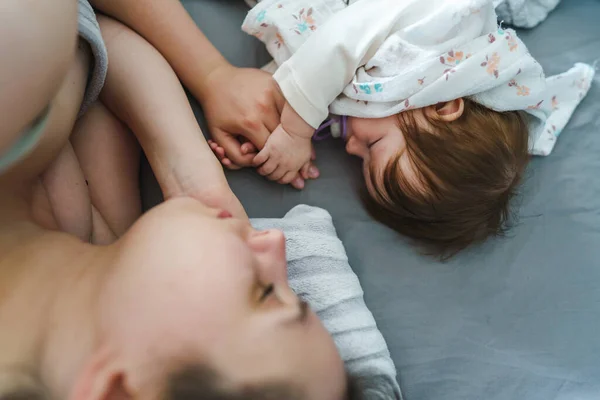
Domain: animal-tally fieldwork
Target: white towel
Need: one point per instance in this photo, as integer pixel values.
(319, 273)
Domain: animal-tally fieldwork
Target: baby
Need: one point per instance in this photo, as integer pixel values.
(443, 106)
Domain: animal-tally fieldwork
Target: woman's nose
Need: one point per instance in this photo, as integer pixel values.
(286, 295)
(269, 247)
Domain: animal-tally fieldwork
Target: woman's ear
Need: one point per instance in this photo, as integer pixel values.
(450, 110)
(99, 380)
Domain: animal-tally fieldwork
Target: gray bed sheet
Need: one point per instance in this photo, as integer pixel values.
(516, 318)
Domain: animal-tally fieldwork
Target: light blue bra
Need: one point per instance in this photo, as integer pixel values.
(26, 142)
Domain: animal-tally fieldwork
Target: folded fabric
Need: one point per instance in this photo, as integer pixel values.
(89, 30)
(524, 13)
(432, 51)
(495, 70)
(319, 273)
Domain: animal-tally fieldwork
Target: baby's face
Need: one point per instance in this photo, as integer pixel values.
(377, 142)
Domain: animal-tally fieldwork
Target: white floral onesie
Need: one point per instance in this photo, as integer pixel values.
(375, 58)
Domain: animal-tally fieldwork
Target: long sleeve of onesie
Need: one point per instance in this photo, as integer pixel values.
(321, 46)
(376, 58)
(321, 68)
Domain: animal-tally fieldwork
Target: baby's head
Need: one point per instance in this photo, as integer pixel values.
(442, 175)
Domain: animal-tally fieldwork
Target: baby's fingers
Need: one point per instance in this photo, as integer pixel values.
(304, 171)
(288, 178)
(297, 182)
(309, 171)
(267, 168)
(261, 158)
(278, 174)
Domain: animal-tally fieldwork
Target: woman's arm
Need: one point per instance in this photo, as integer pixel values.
(169, 28)
(142, 89)
(235, 101)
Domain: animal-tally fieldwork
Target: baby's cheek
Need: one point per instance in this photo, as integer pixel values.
(373, 183)
(359, 127)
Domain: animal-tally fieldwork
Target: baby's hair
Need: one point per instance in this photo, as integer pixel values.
(468, 170)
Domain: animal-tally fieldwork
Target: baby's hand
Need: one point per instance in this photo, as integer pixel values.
(283, 156)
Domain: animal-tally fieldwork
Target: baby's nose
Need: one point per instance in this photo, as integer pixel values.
(354, 147)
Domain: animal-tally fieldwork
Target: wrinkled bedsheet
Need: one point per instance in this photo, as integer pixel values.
(514, 319)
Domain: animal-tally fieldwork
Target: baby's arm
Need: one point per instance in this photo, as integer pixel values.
(317, 73)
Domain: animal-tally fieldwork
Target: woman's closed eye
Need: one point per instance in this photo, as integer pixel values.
(267, 291)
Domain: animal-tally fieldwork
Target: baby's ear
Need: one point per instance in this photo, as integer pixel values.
(450, 110)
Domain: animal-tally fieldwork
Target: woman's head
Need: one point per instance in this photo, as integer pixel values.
(188, 382)
(190, 285)
(199, 382)
(21, 384)
(442, 175)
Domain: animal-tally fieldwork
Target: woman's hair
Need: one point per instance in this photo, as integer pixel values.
(17, 384)
(468, 170)
(198, 382)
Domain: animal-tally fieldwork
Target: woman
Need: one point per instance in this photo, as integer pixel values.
(188, 301)
(186, 287)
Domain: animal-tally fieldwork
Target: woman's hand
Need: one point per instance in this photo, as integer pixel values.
(242, 107)
(240, 103)
(236, 101)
